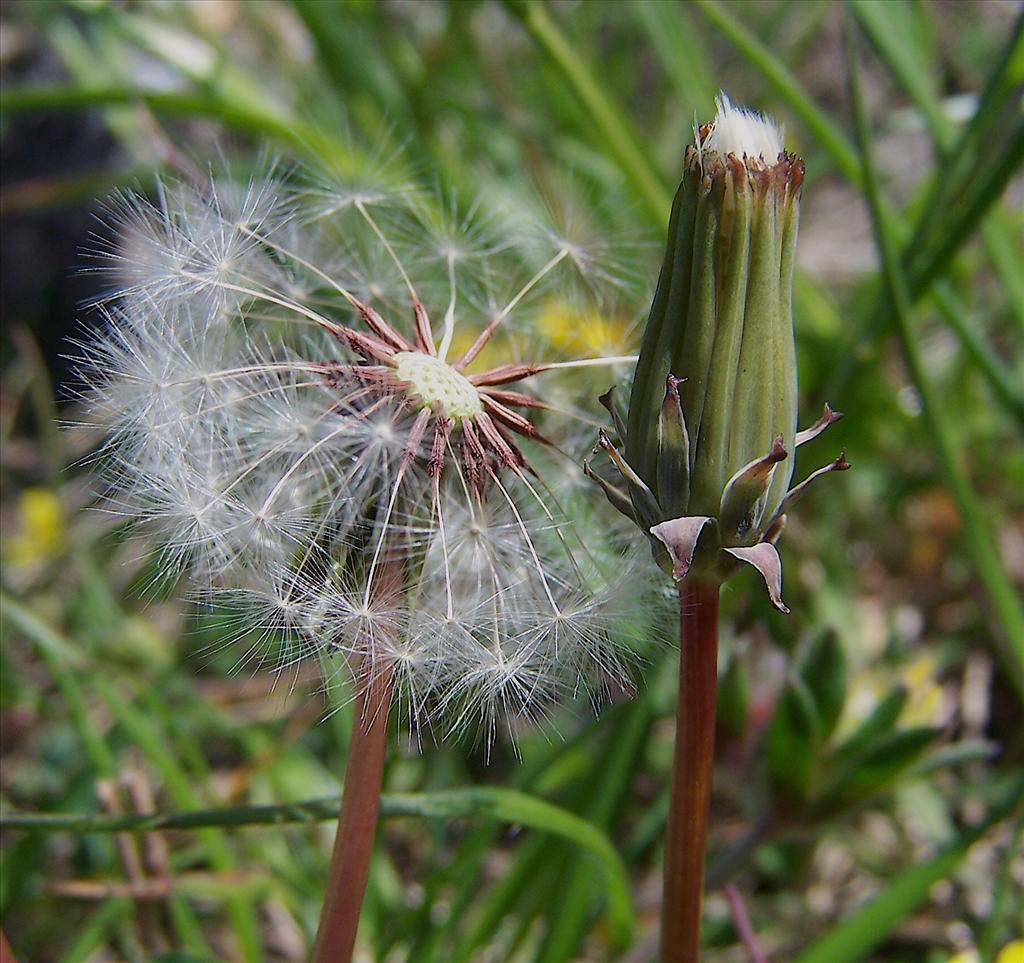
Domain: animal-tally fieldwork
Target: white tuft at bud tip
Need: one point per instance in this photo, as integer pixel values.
(736, 130)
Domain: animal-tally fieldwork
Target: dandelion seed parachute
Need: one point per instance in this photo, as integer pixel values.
(294, 405)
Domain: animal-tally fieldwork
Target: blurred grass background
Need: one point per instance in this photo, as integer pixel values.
(867, 798)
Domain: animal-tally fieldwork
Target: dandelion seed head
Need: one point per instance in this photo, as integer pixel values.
(319, 405)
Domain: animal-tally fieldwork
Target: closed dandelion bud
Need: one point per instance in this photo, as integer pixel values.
(712, 420)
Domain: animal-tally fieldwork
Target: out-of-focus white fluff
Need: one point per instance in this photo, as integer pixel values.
(736, 130)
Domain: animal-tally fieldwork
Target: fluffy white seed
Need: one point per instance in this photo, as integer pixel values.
(285, 467)
(743, 132)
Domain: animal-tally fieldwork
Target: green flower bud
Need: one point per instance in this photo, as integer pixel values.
(713, 410)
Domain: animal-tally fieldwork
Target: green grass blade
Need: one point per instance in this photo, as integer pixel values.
(463, 878)
(617, 134)
(226, 817)
(62, 659)
(622, 754)
(507, 893)
(511, 806)
(854, 939)
(1008, 637)
(887, 25)
(1008, 389)
(681, 53)
(985, 189)
(961, 160)
(960, 155)
(287, 131)
(787, 87)
(95, 932)
(1004, 253)
(145, 735)
(343, 42)
(503, 805)
(104, 763)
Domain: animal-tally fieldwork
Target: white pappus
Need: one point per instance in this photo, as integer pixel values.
(311, 389)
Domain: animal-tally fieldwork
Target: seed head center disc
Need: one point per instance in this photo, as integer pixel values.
(438, 384)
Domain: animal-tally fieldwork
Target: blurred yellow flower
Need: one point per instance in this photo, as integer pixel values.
(583, 331)
(869, 685)
(966, 956)
(925, 694)
(1013, 952)
(40, 533)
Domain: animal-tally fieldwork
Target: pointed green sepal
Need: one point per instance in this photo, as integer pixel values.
(840, 464)
(617, 498)
(743, 499)
(673, 452)
(645, 505)
(608, 403)
(829, 416)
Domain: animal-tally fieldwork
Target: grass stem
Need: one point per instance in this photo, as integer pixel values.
(741, 921)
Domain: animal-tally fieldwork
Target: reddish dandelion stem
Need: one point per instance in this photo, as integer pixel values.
(357, 822)
(687, 831)
(6, 953)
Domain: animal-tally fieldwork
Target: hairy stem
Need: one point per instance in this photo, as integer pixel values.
(357, 822)
(687, 832)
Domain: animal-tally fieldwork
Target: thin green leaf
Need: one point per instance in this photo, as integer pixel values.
(824, 673)
(1008, 639)
(793, 740)
(288, 131)
(875, 725)
(854, 939)
(1004, 385)
(984, 189)
(95, 932)
(889, 27)
(504, 805)
(1004, 252)
(571, 913)
(617, 134)
(342, 39)
(874, 770)
(956, 754)
(62, 659)
(145, 735)
(961, 156)
(681, 52)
